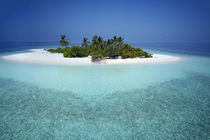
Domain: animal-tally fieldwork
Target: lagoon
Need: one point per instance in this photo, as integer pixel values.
(159, 101)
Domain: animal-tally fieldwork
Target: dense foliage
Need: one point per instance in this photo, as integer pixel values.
(99, 49)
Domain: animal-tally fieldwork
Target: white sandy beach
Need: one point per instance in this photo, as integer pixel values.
(42, 57)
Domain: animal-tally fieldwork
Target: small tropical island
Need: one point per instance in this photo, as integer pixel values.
(100, 49)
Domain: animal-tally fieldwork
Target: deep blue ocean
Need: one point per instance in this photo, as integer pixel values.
(202, 49)
(107, 102)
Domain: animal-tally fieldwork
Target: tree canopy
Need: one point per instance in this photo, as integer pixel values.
(99, 49)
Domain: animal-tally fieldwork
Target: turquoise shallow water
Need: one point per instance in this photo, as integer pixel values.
(162, 101)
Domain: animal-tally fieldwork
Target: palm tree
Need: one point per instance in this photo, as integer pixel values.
(95, 40)
(109, 42)
(100, 42)
(115, 39)
(63, 41)
(120, 40)
(85, 42)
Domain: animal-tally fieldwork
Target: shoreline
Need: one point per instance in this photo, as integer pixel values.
(42, 57)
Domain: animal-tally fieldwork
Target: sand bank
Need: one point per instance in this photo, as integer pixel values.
(42, 57)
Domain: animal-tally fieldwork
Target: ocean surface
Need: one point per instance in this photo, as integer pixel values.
(156, 101)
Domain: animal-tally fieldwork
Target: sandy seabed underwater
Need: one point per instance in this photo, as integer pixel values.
(176, 109)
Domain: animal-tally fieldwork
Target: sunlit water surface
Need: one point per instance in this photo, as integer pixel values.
(157, 101)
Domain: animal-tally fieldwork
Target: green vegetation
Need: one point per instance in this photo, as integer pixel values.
(100, 49)
(63, 41)
(58, 50)
(85, 42)
(75, 51)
